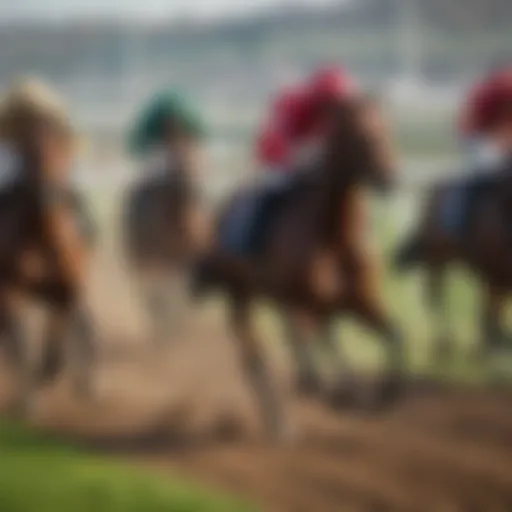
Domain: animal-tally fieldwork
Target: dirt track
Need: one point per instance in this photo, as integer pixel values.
(441, 450)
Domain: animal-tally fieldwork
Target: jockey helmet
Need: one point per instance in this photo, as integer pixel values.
(28, 100)
(331, 84)
(498, 101)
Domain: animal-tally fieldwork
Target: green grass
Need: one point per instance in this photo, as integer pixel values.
(40, 474)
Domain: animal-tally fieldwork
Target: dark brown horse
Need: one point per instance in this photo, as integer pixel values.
(484, 247)
(317, 263)
(163, 228)
(44, 252)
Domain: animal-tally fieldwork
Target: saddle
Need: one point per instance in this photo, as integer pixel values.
(477, 191)
(247, 226)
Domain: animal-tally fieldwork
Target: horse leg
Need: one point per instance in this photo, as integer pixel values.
(299, 329)
(20, 354)
(150, 289)
(158, 308)
(174, 304)
(271, 407)
(343, 375)
(491, 328)
(371, 312)
(53, 359)
(9, 337)
(435, 295)
(158, 291)
(85, 353)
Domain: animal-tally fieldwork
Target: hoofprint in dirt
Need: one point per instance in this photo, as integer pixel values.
(190, 411)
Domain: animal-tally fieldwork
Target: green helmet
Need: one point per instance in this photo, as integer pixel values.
(166, 108)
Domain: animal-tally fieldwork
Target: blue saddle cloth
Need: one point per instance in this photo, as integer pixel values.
(246, 226)
(462, 198)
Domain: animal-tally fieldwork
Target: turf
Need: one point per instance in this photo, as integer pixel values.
(41, 474)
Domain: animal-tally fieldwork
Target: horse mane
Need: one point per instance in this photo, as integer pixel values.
(340, 166)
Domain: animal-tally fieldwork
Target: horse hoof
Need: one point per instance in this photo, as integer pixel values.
(342, 393)
(391, 390)
(309, 385)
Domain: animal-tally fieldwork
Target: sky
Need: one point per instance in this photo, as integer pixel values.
(137, 9)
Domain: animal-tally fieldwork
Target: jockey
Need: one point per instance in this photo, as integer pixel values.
(486, 134)
(288, 145)
(27, 102)
(292, 135)
(169, 129)
(484, 115)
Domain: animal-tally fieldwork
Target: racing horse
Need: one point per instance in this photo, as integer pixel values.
(164, 229)
(316, 263)
(45, 240)
(483, 246)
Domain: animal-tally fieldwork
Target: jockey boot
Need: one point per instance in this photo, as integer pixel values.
(269, 207)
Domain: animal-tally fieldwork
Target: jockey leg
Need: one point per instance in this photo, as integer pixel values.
(453, 210)
(238, 232)
(484, 163)
(274, 190)
(479, 186)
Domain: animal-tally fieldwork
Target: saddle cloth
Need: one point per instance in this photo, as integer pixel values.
(247, 224)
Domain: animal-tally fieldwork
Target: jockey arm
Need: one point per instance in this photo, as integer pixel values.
(273, 147)
(292, 137)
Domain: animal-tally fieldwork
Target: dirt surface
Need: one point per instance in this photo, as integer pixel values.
(185, 407)
(188, 409)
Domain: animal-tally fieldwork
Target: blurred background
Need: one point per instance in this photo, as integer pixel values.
(230, 56)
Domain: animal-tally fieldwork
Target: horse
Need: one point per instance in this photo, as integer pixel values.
(484, 248)
(45, 249)
(164, 229)
(316, 263)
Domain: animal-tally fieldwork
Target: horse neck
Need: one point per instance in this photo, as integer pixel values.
(340, 199)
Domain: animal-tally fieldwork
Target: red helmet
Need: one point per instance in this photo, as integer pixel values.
(332, 83)
(495, 105)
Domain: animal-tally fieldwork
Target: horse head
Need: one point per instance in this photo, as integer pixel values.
(359, 147)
